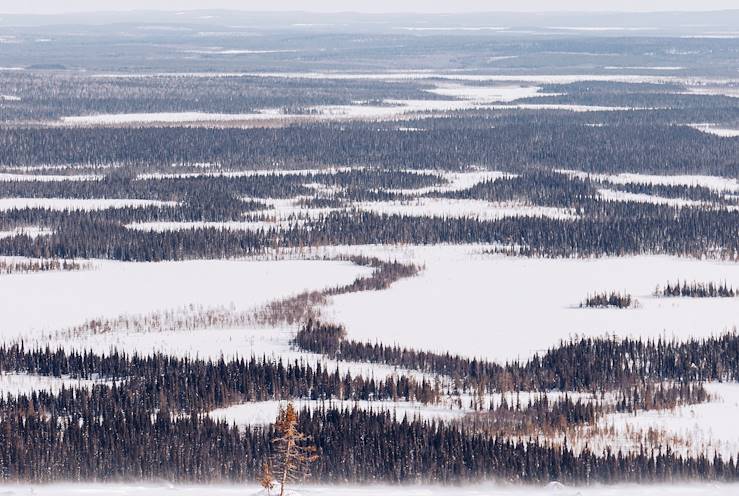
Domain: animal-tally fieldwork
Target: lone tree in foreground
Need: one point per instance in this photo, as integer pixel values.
(293, 451)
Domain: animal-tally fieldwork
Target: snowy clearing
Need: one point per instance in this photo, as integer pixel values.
(501, 308)
(17, 384)
(716, 129)
(716, 183)
(265, 412)
(455, 181)
(166, 226)
(6, 177)
(454, 208)
(79, 204)
(71, 298)
(488, 93)
(704, 428)
(244, 173)
(625, 196)
(162, 118)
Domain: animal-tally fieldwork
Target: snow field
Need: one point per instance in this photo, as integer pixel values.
(78, 204)
(117, 288)
(502, 308)
(453, 208)
(716, 183)
(17, 384)
(484, 489)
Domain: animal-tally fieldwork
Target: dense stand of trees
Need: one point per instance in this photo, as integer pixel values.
(604, 228)
(352, 446)
(696, 290)
(538, 187)
(625, 148)
(597, 227)
(50, 95)
(605, 300)
(187, 386)
(147, 421)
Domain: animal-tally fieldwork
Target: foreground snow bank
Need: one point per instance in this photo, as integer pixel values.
(148, 489)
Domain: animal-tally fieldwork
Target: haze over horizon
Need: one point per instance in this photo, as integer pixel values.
(364, 6)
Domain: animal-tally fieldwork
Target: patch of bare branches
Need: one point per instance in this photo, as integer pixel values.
(41, 265)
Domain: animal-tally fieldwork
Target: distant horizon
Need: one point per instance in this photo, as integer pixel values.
(357, 12)
(72, 7)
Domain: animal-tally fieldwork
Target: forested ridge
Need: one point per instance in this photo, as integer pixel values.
(145, 418)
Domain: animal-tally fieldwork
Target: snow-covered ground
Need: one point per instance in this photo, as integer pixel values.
(625, 196)
(164, 226)
(243, 173)
(78, 204)
(718, 130)
(9, 177)
(716, 183)
(117, 288)
(455, 181)
(487, 489)
(705, 428)
(502, 93)
(31, 232)
(453, 208)
(502, 308)
(265, 412)
(16, 384)
(499, 94)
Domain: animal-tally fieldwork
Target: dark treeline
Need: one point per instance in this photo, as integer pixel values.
(384, 274)
(696, 290)
(605, 300)
(604, 228)
(123, 183)
(582, 365)
(633, 148)
(187, 386)
(49, 95)
(352, 446)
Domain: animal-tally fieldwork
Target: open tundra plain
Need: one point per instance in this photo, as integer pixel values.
(483, 255)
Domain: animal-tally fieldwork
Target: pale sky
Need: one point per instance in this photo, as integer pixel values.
(369, 6)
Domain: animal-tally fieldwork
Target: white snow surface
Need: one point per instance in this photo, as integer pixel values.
(485, 489)
(78, 204)
(8, 177)
(455, 181)
(724, 132)
(503, 308)
(460, 208)
(705, 428)
(626, 196)
(265, 412)
(244, 173)
(716, 183)
(71, 298)
(165, 226)
(17, 384)
(31, 232)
